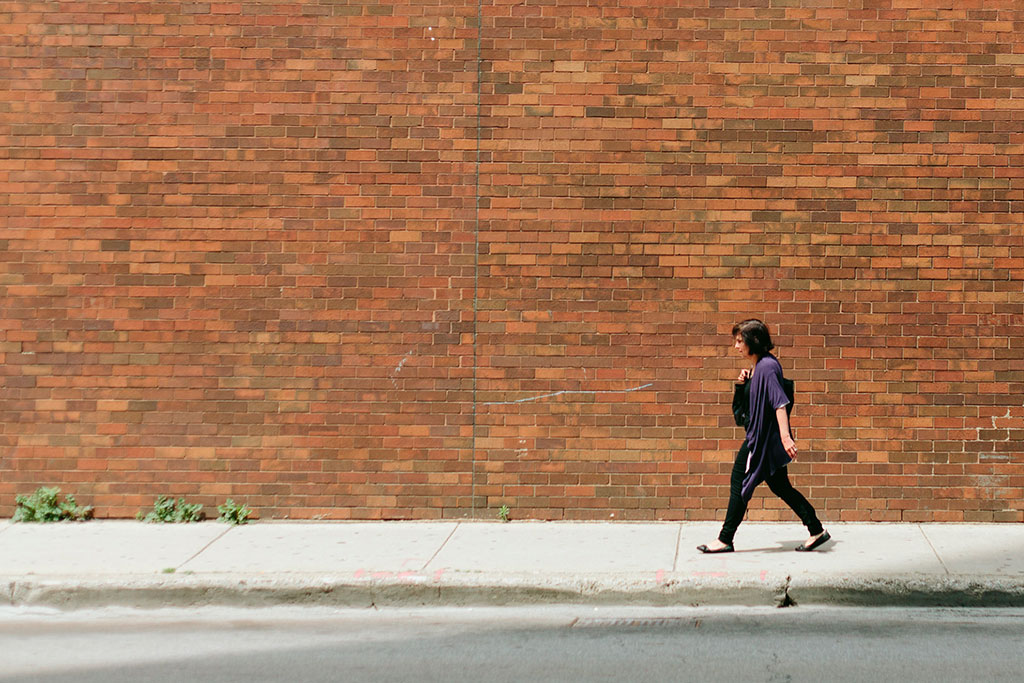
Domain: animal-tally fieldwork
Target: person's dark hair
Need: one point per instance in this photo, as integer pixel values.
(755, 336)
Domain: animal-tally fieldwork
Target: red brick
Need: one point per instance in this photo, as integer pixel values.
(245, 264)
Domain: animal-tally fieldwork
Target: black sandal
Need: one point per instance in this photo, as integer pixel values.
(824, 538)
(708, 551)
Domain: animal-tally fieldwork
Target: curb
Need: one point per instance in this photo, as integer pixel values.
(908, 591)
(149, 592)
(156, 592)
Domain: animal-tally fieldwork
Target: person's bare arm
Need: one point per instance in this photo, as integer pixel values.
(787, 439)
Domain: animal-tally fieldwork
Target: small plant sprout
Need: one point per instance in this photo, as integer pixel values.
(44, 506)
(233, 513)
(167, 510)
(503, 513)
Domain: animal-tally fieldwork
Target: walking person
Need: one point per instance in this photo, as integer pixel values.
(761, 404)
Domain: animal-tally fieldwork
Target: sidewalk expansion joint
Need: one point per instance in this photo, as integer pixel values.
(679, 539)
(203, 549)
(440, 547)
(787, 600)
(937, 556)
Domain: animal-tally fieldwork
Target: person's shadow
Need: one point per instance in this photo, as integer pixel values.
(788, 547)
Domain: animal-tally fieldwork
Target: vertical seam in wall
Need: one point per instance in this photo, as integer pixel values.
(476, 247)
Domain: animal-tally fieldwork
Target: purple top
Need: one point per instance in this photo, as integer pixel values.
(764, 441)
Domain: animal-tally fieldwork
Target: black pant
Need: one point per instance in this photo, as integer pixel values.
(779, 485)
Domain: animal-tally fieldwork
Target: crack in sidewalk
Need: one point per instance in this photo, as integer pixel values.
(441, 547)
(679, 539)
(929, 542)
(204, 548)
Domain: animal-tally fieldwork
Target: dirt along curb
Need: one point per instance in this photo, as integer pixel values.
(468, 589)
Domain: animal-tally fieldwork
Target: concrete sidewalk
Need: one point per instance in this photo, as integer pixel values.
(102, 563)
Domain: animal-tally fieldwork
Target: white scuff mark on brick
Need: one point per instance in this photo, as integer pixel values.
(401, 364)
(564, 393)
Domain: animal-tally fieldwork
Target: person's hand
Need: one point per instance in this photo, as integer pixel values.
(744, 376)
(789, 445)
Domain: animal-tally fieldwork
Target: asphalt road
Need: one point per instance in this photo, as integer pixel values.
(512, 644)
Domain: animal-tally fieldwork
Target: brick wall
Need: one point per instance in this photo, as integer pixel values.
(342, 260)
